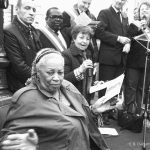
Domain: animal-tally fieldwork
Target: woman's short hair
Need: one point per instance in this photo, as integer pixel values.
(42, 53)
(81, 29)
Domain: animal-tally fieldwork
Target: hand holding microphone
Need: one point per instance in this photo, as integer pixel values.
(85, 65)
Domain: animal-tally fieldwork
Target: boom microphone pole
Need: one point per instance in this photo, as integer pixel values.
(146, 32)
(143, 92)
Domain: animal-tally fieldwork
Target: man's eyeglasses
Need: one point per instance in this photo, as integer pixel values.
(56, 17)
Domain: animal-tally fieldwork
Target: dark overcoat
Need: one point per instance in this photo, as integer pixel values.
(31, 108)
(110, 50)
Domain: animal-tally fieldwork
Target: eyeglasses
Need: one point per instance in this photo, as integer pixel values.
(56, 17)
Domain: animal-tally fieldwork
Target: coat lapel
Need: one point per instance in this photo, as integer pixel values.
(75, 99)
(115, 14)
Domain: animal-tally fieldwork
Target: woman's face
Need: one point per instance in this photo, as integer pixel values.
(51, 73)
(144, 12)
(82, 41)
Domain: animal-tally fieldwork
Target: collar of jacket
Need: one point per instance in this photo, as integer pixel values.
(51, 30)
(67, 88)
(115, 9)
(26, 32)
(124, 15)
(76, 51)
(21, 26)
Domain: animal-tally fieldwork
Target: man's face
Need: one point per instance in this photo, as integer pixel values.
(51, 73)
(27, 11)
(118, 4)
(55, 20)
(84, 4)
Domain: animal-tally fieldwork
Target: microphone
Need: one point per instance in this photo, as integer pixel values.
(90, 72)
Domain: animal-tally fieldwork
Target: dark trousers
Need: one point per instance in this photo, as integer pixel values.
(134, 86)
(108, 72)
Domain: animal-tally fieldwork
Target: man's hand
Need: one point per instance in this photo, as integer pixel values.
(25, 141)
(126, 48)
(123, 40)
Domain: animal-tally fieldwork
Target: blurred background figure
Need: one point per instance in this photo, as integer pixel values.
(78, 8)
(114, 43)
(136, 13)
(136, 61)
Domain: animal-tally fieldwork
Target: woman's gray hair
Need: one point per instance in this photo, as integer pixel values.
(40, 55)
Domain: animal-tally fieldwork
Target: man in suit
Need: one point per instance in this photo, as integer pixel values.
(54, 33)
(114, 43)
(21, 42)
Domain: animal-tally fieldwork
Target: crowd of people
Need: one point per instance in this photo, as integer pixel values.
(53, 66)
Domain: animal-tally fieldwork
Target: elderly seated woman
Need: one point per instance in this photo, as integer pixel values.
(50, 113)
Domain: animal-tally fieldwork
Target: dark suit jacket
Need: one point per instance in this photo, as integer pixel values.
(111, 50)
(21, 50)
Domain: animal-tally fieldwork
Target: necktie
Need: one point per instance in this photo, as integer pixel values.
(30, 32)
(31, 38)
(119, 15)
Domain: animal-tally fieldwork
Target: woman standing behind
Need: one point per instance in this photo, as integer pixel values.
(78, 60)
(136, 59)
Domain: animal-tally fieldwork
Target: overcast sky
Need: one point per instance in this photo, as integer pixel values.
(95, 7)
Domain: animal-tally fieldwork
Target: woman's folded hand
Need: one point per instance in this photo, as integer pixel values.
(24, 141)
